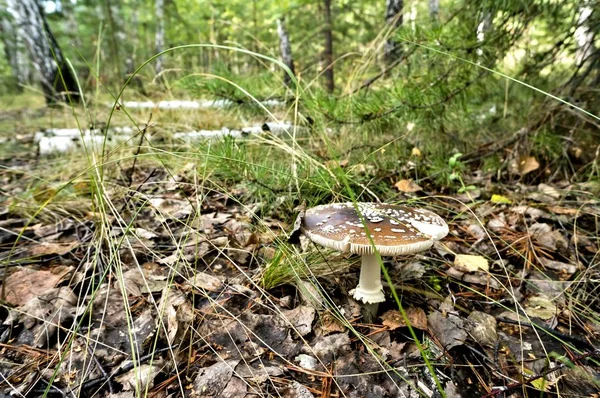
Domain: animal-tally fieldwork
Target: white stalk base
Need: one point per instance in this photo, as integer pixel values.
(367, 296)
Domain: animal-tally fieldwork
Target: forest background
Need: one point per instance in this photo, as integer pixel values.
(485, 111)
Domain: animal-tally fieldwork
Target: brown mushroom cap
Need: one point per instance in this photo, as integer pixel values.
(394, 229)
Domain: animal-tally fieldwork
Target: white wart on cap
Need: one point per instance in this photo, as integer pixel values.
(394, 229)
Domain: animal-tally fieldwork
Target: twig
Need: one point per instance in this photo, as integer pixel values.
(123, 369)
(51, 386)
(111, 388)
(137, 189)
(138, 150)
(563, 336)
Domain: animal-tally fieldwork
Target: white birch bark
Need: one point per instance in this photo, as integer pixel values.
(32, 28)
(159, 41)
(434, 9)
(16, 54)
(393, 17)
(584, 37)
(286, 50)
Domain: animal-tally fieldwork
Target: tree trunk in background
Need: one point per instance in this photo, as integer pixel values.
(328, 53)
(47, 57)
(71, 25)
(393, 17)
(159, 41)
(116, 35)
(16, 54)
(584, 36)
(286, 51)
(482, 29)
(587, 55)
(434, 9)
(412, 15)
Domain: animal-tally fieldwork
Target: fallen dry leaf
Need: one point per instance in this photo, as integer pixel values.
(548, 238)
(565, 268)
(470, 263)
(301, 318)
(407, 186)
(482, 327)
(541, 307)
(50, 249)
(25, 283)
(549, 191)
(178, 314)
(416, 316)
(565, 211)
(212, 380)
(329, 324)
(204, 281)
(527, 164)
(447, 326)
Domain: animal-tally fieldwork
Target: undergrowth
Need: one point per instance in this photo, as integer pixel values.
(351, 148)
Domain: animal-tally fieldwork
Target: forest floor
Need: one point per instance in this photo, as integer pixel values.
(162, 268)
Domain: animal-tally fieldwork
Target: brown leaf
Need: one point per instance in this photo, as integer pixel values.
(329, 324)
(407, 186)
(527, 164)
(565, 211)
(416, 316)
(25, 284)
(49, 249)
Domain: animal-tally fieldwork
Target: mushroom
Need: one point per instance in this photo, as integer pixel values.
(393, 230)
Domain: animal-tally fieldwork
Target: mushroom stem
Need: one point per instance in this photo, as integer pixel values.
(369, 289)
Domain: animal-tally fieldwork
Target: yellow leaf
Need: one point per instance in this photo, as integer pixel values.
(470, 263)
(500, 199)
(416, 152)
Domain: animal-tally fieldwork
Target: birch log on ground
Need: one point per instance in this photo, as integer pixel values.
(48, 60)
(286, 51)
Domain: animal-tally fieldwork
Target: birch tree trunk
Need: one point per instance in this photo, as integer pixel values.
(393, 17)
(286, 51)
(434, 9)
(16, 54)
(54, 74)
(328, 53)
(116, 23)
(159, 41)
(584, 36)
(482, 30)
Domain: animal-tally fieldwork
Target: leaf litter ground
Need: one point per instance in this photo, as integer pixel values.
(167, 299)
